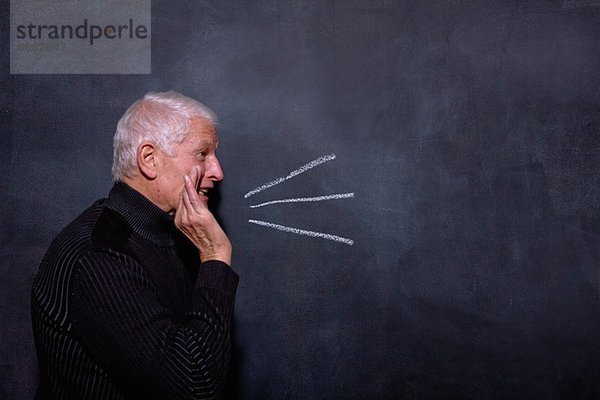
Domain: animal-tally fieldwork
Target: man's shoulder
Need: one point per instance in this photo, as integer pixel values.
(95, 228)
(77, 234)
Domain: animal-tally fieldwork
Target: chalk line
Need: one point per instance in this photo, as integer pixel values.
(292, 174)
(297, 231)
(306, 199)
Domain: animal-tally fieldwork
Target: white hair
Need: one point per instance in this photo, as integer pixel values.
(163, 118)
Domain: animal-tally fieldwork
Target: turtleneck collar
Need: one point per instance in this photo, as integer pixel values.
(146, 219)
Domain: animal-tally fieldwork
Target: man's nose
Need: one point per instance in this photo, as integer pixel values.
(214, 171)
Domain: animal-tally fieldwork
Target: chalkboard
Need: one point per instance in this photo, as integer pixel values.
(423, 217)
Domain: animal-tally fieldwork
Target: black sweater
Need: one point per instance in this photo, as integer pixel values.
(123, 309)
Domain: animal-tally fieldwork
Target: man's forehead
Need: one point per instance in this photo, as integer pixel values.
(202, 134)
(202, 125)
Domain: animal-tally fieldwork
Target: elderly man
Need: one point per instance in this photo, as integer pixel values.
(134, 299)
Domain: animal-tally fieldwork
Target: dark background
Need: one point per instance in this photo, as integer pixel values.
(469, 132)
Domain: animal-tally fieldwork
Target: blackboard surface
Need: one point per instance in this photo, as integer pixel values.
(467, 132)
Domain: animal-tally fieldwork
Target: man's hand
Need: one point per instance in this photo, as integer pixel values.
(194, 219)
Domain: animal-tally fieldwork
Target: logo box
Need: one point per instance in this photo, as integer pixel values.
(80, 37)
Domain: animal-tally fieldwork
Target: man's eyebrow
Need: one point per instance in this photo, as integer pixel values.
(209, 143)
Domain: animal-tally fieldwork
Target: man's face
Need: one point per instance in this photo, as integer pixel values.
(198, 150)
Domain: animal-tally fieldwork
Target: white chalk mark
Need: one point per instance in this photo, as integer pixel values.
(306, 199)
(292, 174)
(297, 231)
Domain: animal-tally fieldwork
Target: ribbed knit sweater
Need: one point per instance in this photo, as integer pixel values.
(123, 308)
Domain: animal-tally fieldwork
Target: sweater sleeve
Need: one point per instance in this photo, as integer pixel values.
(119, 320)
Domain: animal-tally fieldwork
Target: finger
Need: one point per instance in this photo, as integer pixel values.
(195, 176)
(187, 200)
(185, 192)
(180, 210)
(190, 197)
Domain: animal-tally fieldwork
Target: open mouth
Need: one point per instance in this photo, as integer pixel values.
(203, 192)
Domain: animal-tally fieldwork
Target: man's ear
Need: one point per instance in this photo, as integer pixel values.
(147, 159)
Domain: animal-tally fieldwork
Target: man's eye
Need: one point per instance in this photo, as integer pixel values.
(202, 155)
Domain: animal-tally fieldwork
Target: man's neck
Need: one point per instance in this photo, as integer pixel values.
(143, 186)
